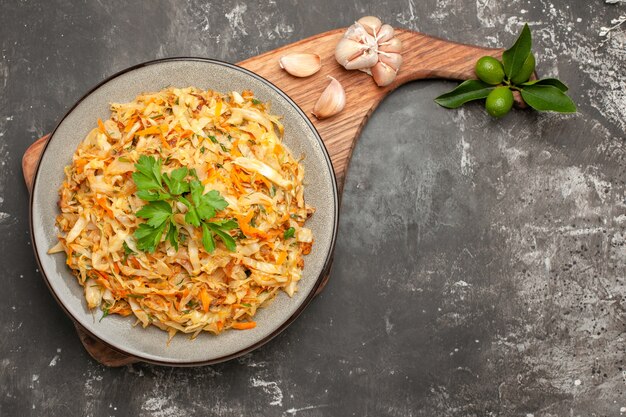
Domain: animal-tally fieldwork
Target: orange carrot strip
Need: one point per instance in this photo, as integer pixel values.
(130, 124)
(206, 300)
(281, 258)
(101, 126)
(218, 108)
(244, 325)
(149, 131)
(244, 224)
(102, 203)
(164, 142)
(186, 134)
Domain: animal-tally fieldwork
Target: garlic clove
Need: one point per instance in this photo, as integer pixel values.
(393, 45)
(385, 33)
(332, 100)
(392, 60)
(301, 64)
(347, 50)
(357, 33)
(371, 24)
(383, 74)
(370, 46)
(367, 59)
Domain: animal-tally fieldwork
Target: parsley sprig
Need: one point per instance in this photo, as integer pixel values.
(161, 190)
(202, 208)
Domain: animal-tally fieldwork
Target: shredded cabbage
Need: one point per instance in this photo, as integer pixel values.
(235, 147)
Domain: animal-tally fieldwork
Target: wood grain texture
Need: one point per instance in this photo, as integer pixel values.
(423, 57)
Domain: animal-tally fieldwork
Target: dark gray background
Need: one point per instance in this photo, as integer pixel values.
(479, 266)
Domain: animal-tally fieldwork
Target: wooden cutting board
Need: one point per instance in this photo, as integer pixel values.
(423, 57)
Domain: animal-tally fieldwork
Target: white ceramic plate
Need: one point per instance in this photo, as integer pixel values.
(151, 344)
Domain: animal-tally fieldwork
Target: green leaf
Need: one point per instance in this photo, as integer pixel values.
(192, 217)
(214, 199)
(156, 171)
(149, 168)
(210, 203)
(466, 91)
(212, 138)
(289, 233)
(226, 224)
(127, 251)
(105, 312)
(144, 182)
(548, 81)
(514, 57)
(196, 192)
(547, 98)
(184, 201)
(156, 213)
(153, 195)
(176, 182)
(228, 240)
(172, 235)
(144, 165)
(207, 239)
(148, 237)
(205, 212)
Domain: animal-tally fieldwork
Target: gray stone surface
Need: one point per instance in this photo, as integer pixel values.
(480, 265)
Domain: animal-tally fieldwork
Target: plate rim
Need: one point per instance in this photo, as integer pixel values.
(327, 262)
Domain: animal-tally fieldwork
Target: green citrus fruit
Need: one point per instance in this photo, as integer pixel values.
(526, 71)
(489, 70)
(499, 101)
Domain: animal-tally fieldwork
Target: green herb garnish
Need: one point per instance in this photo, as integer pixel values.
(127, 251)
(289, 233)
(161, 190)
(105, 311)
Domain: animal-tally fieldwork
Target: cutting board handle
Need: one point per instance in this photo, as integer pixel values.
(423, 57)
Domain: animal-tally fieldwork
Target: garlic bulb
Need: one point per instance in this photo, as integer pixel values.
(332, 100)
(301, 64)
(369, 45)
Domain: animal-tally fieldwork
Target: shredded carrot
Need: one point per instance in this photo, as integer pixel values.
(244, 224)
(101, 127)
(186, 134)
(102, 203)
(152, 130)
(281, 258)
(130, 124)
(163, 141)
(69, 255)
(103, 279)
(244, 325)
(206, 300)
(218, 108)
